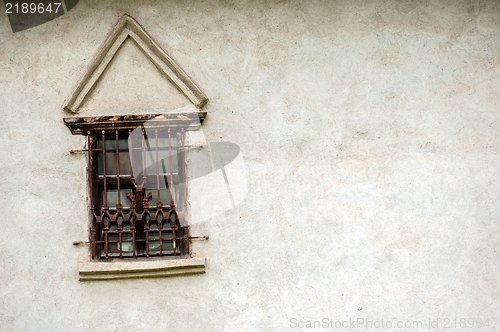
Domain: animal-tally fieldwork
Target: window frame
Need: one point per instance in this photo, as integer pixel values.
(144, 229)
(93, 128)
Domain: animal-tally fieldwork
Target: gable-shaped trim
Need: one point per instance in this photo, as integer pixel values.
(127, 27)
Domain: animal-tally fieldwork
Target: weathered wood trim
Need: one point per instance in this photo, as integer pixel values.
(127, 27)
(95, 124)
(140, 269)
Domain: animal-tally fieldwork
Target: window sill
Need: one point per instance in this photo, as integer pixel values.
(140, 269)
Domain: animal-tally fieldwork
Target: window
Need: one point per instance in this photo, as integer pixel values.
(137, 169)
(137, 192)
(137, 179)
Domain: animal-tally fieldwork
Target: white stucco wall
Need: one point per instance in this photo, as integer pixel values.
(370, 132)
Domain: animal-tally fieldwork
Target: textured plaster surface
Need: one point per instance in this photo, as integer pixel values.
(134, 83)
(370, 132)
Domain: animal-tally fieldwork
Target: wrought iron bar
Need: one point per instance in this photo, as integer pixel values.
(105, 195)
(118, 170)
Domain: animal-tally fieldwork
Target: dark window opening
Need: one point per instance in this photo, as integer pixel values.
(138, 193)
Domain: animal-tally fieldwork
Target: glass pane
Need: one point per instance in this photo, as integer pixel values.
(154, 241)
(99, 164)
(123, 143)
(146, 158)
(112, 197)
(168, 245)
(127, 246)
(111, 144)
(165, 197)
(113, 245)
(163, 161)
(124, 163)
(111, 163)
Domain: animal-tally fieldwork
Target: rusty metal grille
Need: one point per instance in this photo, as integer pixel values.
(137, 193)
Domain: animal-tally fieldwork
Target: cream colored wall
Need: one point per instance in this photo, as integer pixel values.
(370, 132)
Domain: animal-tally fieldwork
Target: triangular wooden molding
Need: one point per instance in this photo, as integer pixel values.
(127, 27)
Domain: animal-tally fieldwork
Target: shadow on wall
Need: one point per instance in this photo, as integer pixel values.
(28, 14)
(217, 178)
